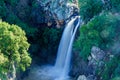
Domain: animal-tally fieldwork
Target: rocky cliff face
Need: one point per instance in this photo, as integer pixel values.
(86, 70)
(59, 10)
(36, 12)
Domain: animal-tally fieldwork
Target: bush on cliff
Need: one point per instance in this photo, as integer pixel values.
(100, 31)
(90, 8)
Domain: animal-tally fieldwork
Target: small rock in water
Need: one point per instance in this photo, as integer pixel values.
(82, 77)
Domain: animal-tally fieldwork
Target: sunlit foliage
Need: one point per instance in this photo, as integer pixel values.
(13, 48)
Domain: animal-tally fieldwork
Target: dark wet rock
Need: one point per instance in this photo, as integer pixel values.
(97, 53)
(82, 77)
(96, 59)
(59, 10)
(38, 14)
(91, 77)
(23, 9)
(79, 66)
(88, 68)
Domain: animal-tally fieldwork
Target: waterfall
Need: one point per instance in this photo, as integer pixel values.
(64, 44)
(61, 68)
(65, 48)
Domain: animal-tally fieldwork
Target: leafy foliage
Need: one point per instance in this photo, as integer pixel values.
(101, 29)
(116, 78)
(45, 43)
(12, 2)
(13, 48)
(115, 4)
(109, 69)
(13, 19)
(2, 9)
(97, 33)
(37, 37)
(90, 8)
(10, 17)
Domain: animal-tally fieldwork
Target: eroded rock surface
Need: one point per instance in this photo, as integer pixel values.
(59, 10)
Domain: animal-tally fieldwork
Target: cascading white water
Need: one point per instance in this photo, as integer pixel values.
(62, 66)
(64, 44)
(65, 48)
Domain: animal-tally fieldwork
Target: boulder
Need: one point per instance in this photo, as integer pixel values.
(82, 77)
(88, 68)
(79, 66)
(96, 59)
(97, 53)
(91, 77)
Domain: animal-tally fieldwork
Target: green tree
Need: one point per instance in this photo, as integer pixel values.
(100, 31)
(115, 4)
(13, 48)
(109, 69)
(116, 78)
(90, 8)
(12, 2)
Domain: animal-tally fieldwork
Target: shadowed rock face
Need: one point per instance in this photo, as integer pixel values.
(85, 70)
(51, 12)
(22, 8)
(59, 10)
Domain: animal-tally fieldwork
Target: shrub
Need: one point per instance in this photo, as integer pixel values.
(90, 8)
(100, 31)
(12, 2)
(115, 4)
(13, 48)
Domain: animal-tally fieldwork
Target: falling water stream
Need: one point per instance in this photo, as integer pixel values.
(65, 48)
(60, 71)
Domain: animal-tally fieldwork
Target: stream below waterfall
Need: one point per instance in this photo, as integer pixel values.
(43, 73)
